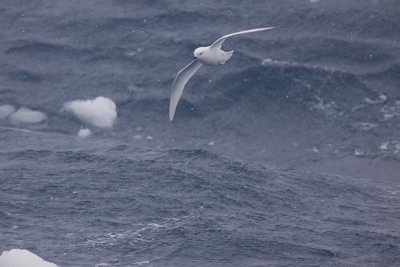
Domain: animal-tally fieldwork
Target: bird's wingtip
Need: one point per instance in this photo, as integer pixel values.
(272, 27)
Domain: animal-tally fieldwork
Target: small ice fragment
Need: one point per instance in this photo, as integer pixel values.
(83, 133)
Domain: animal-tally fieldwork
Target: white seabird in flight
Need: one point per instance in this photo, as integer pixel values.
(210, 55)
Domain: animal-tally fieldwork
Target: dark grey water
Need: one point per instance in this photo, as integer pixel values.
(288, 155)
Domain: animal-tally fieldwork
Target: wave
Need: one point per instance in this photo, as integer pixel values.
(47, 48)
(289, 84)
(235, 212)
(390, 73)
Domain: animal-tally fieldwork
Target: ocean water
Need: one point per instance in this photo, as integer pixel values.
(287, 155)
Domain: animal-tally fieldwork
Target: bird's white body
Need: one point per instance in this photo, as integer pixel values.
(210, 55)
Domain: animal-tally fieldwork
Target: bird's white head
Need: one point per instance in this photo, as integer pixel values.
(200, 52)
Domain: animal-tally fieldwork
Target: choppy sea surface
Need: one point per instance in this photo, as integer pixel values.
(287, 155)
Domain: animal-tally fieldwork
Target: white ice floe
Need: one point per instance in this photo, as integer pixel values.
(6, 110)
(26, 115)
(83, 133)
(22, 258)
(99, 112)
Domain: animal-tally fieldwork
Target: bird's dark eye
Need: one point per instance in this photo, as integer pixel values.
(201, 53)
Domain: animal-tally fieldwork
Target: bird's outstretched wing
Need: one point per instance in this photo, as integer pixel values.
(180, 81)
(220, 41)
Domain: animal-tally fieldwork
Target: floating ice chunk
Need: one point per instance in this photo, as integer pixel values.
(6, 110)
(100, 112)
(22, 258)
(26, 115)
(83, 133)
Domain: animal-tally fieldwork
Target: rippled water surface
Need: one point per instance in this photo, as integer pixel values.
(287, 155)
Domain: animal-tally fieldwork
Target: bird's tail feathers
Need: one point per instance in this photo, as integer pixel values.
(227, 55)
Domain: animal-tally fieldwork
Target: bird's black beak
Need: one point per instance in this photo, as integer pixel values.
(194, 58)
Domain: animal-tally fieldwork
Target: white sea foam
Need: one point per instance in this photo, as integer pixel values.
(26, 115)
(99, 112)
(391, 111)
(365, 126)
(15, 129)
(22, 258)
(329, 108)
(6, 110)
(282, 63)
(381, 99)
(391, 147)
(141, 262)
